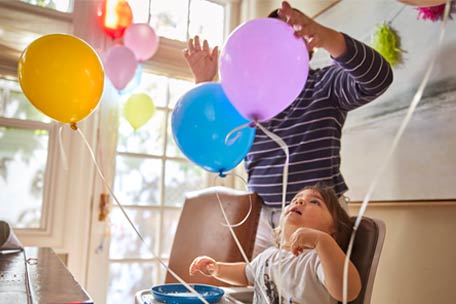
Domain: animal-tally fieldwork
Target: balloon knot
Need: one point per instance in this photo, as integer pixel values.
(253, 124)
(74, 126)
(221, 174)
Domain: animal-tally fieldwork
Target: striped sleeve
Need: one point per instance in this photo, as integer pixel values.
(360, 75)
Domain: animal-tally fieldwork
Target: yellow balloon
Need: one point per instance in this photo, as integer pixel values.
(138, 109)
(62, 76)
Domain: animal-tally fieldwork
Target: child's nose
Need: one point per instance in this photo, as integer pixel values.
(302, 202)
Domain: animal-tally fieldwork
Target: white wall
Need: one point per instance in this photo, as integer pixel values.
(418, 259)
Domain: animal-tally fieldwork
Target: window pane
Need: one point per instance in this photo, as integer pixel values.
(177, 88)
(172, 150)
(14, 104)
(65, 6)
(208, 28)
(128, 278)
(138, 180)
(170, 220)
(169, 18)
(23, 156)
(181, 177)
(155, 86)
(149, 139)
(125, 243)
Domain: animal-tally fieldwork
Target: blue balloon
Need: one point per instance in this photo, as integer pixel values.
(201, 121)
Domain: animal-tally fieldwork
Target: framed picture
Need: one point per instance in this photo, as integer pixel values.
(423, 166)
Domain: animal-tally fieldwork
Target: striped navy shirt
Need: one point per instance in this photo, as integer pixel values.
(312, 125)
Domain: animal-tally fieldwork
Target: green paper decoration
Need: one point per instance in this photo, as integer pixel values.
(386, 41)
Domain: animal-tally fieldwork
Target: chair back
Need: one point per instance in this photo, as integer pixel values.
(365, 255)
(201, 230)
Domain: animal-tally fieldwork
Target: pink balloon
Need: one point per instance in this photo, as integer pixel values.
(263, 68)
(142, 40)
(120, 65)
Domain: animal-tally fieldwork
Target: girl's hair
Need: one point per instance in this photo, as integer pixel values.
(342, 222)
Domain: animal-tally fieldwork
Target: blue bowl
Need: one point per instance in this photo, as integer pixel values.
(178, 293)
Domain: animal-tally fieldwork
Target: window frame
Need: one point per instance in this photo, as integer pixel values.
(71, 198)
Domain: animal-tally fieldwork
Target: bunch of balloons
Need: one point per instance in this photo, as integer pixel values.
(140, 42)
(122, 61)
(263, 68)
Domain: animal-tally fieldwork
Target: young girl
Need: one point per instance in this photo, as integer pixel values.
(313, 228)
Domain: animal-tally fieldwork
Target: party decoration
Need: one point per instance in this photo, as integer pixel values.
(435, 13)
(114, 16)
(62, 76)
(263, 67)
(201, 121)
(120, 65)
(138, 109)
(134, 82)
(386, 41)
(142, 40)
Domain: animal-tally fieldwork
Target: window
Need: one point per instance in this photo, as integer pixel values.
(24, 142)
(151, 178)
(181, 19)
(152, 175)
(65, 6)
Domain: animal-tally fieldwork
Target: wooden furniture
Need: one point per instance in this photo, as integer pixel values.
(36, 275)
(202, 231)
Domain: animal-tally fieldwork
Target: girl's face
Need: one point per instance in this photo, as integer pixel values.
(307, 209)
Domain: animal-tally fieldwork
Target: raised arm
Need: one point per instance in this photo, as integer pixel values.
(201, 60)
(232, 273)
(332, 260)
(360, 74)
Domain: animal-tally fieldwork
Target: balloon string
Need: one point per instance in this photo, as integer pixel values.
(236, 240)
(229, 141)
(62, 150)
(133, 225)
(250, 199)
(405, 122)
(284, 147)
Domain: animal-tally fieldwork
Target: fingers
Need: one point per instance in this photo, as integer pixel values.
(286, 10)
(205, 46)
(197, 44)
(194, 45)
(297, 250)
(190, 46)
(293, 17)
(215, 53)
(203, 264)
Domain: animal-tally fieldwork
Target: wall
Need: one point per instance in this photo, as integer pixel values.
(419, 255)
(418, 259)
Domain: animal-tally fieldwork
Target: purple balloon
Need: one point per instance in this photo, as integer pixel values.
(263, 68)
(142, 40)
(120, 65)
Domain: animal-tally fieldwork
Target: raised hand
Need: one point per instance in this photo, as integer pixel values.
(205, 265)
(304, 238)
(315, 34)
(202, 61)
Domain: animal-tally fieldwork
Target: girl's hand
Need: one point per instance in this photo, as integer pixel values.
(202, 62)
(305, 238)
(315, 34)
(205, 265)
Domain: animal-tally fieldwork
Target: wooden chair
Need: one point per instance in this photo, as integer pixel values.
(201, 230)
